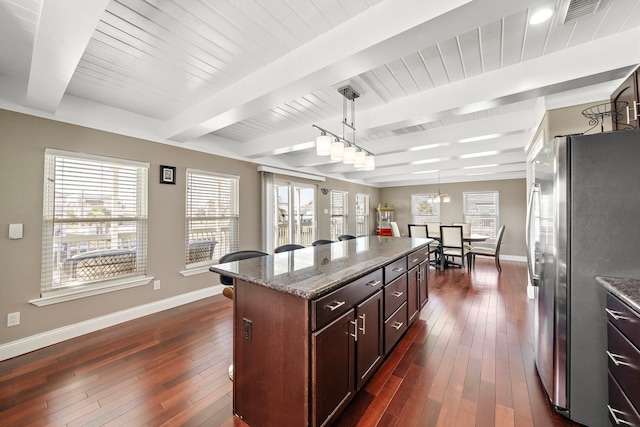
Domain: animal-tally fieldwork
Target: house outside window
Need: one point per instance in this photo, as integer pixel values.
(481, 211)
(338, 213)
(95, 222)
(362, 215)
(212, 217)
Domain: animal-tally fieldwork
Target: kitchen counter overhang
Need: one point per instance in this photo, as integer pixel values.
(315, 271)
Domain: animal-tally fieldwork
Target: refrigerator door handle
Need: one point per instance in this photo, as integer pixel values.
(532, 253)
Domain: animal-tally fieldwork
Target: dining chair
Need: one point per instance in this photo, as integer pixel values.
(466, 230)
(422, 231)
(434, 228)
(346, 237)
(286, 248)
(395, 231)
(321, 242)
(452, 246)
(488, 251)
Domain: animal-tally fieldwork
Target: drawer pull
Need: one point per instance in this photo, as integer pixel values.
(336, 305)
(398, 269)
(615, 359)
(397, 294)
(397, 325)
(355, 330)
(617, 315)
(617, 420)
(373, 283)
(414, 260)
(364, 320)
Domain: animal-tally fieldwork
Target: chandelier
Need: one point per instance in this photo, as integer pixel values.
(340, 148)
(439, 197)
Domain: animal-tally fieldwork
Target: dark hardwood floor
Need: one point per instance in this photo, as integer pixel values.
(467, 361)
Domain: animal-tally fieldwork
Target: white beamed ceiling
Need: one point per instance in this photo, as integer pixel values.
(454, 89)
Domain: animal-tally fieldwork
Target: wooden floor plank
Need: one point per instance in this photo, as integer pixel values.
(466, 361)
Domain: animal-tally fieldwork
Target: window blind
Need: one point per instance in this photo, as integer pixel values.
(212, 216)
(362, 215)
(95, 219)
(481, 211)
(338, 213)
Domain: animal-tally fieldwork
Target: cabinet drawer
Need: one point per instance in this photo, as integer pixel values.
(624, 318)
(395, 327)
(417, 257)
(621, 411)
(395, 269)
(332, 305)
(624, 363)
(395, 293)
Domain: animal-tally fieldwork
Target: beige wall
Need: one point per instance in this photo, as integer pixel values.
(23, 140)
(513, 203)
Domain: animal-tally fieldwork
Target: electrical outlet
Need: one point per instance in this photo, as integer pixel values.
(13, 319)
(156, 285)
(246, 324)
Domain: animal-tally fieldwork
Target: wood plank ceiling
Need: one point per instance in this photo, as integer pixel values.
(453, 89)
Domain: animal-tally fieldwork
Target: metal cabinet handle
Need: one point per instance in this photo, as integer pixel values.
(397, 294)
(373, 283)
(397, 325)
(336, 304)
(617, 315)
(615, 358)
(617, 420)
(398, 269)
(364, 320)
(355, 329)
(414, 260)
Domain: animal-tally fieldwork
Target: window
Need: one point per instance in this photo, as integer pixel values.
(481, 211)
(95, 221)
(425, 208)
(212, 217)
(338, 213)
(362, 215)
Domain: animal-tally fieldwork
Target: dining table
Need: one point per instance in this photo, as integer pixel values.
(470, 238)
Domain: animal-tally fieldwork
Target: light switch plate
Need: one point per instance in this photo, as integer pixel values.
(15, 231)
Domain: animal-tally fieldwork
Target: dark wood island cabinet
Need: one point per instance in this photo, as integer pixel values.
(311, 326)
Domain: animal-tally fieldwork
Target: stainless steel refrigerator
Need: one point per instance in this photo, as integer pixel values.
(583, 220)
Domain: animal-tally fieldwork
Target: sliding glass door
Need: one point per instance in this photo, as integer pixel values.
(295, 213)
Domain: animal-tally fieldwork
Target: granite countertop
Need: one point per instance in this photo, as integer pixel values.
(315, 271)
(628, 290)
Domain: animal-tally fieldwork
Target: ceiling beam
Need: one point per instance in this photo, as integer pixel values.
(62, 35)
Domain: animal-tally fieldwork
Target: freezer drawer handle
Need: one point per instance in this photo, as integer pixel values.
(617, 420)
(615, 359)
(616, 314)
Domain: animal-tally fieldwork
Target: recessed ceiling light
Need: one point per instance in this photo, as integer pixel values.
(540, 16)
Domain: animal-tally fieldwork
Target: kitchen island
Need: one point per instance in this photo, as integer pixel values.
(312, 325)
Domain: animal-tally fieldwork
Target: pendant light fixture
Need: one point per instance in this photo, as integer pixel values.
(438, 197)
(340, 148)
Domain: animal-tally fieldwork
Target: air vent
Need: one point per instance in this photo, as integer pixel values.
(572, 10)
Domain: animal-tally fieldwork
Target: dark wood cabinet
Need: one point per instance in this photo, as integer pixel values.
(623, 341)
(369, 348)
(413, 294)
(333, 368)
(627, 92)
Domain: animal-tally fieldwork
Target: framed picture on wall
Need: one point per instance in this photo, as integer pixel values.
(167, 174)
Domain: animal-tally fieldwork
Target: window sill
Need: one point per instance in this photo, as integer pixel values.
(196, 270)
(70, 294)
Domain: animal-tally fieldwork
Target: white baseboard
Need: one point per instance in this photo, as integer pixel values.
(513, 258)
(38, 341)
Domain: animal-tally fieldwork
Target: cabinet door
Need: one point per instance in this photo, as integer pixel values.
(413, 294)
(333, 368)
(423, 283)
(369, 349)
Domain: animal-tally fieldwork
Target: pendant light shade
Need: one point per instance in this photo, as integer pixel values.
(349, 155)
(323, 144)
(369, 163)
(360, 159)
(337, 150)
